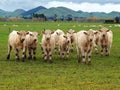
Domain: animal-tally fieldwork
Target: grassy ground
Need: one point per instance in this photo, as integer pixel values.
(103, 74)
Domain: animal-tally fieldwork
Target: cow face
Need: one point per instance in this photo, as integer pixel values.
(35, 36)
(47, 34)
(71, 34)
(90, 35)
(68, 39)
(22, 35)
(103, 32)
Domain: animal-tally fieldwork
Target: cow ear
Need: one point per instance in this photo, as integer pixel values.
(74, 31)
(31, 34)
(27, 33)
(68, 32)
(100, 30)
(108, 30)
(43, 32)
(57, 33)
(85, 33)
(52, 32)
(95, 32)
(65, 36)
(18, 33)
(38, 33)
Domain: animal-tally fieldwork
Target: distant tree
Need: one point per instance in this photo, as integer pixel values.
(69, 17)
(39, 16)
(55, 17)
(117, 19)
(62, 18)
(2, 18)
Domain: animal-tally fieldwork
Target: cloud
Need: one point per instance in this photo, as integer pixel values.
(84, 5)
(93, 1)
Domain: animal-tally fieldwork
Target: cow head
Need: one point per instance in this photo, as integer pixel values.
(22, 35)
(47, 34)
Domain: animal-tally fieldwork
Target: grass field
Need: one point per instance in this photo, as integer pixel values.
(103, 74)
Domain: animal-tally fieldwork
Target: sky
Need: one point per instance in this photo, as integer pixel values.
(84, 5)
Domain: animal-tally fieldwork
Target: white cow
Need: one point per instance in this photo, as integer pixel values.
(56, 35)
(72, 34)
(84, 43)
(95, 40)
(30, 42)
(16, 41)
(105, 39)
(47, 45)
(64, 46)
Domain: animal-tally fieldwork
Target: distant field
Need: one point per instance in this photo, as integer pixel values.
(103, 74)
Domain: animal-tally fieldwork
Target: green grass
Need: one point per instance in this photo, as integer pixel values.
(103, 74)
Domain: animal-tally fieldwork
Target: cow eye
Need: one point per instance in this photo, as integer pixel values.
(31, 35)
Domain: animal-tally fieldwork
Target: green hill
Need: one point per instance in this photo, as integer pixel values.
(59, 11)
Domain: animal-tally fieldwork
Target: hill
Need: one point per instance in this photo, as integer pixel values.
(59, 11)
(16, 13)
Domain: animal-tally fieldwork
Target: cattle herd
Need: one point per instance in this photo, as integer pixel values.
(59, 42)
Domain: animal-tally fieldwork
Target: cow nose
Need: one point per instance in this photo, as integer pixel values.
(35, 40)
(103, 35)
(48, 39)
(90, 40)
(22, 40)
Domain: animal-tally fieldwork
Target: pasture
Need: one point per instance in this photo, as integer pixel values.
(103, 74)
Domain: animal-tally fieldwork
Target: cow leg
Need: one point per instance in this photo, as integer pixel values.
(109, 47)
(84, 52)
(24, 54)
(78, 54)
(30, 54)
(56, 48)
(89, 56)
(45, 54)
(71, 48)
(96, 48)
(42, 50)
(9, 51)
(102, 48)
(34, 53)
(67, 56)
(50, 55)
(61, 54)
(17, 54)
(107, 50)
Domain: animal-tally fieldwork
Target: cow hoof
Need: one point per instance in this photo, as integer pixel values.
(23, 60)
(29, 57)
(96, 53)
(66, 58)
(107, 54)
(45, 60)
(25, 56)
(71, 50)
(51, 61)
(34, 58)
(8, 57)
(89, 62)
(61, 58)
(84, 62)
(78, 61)
(17, 60)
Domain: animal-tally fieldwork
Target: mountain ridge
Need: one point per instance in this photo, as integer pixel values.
(59, 11)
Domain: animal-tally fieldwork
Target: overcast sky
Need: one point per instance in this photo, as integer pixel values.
(84, 5)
